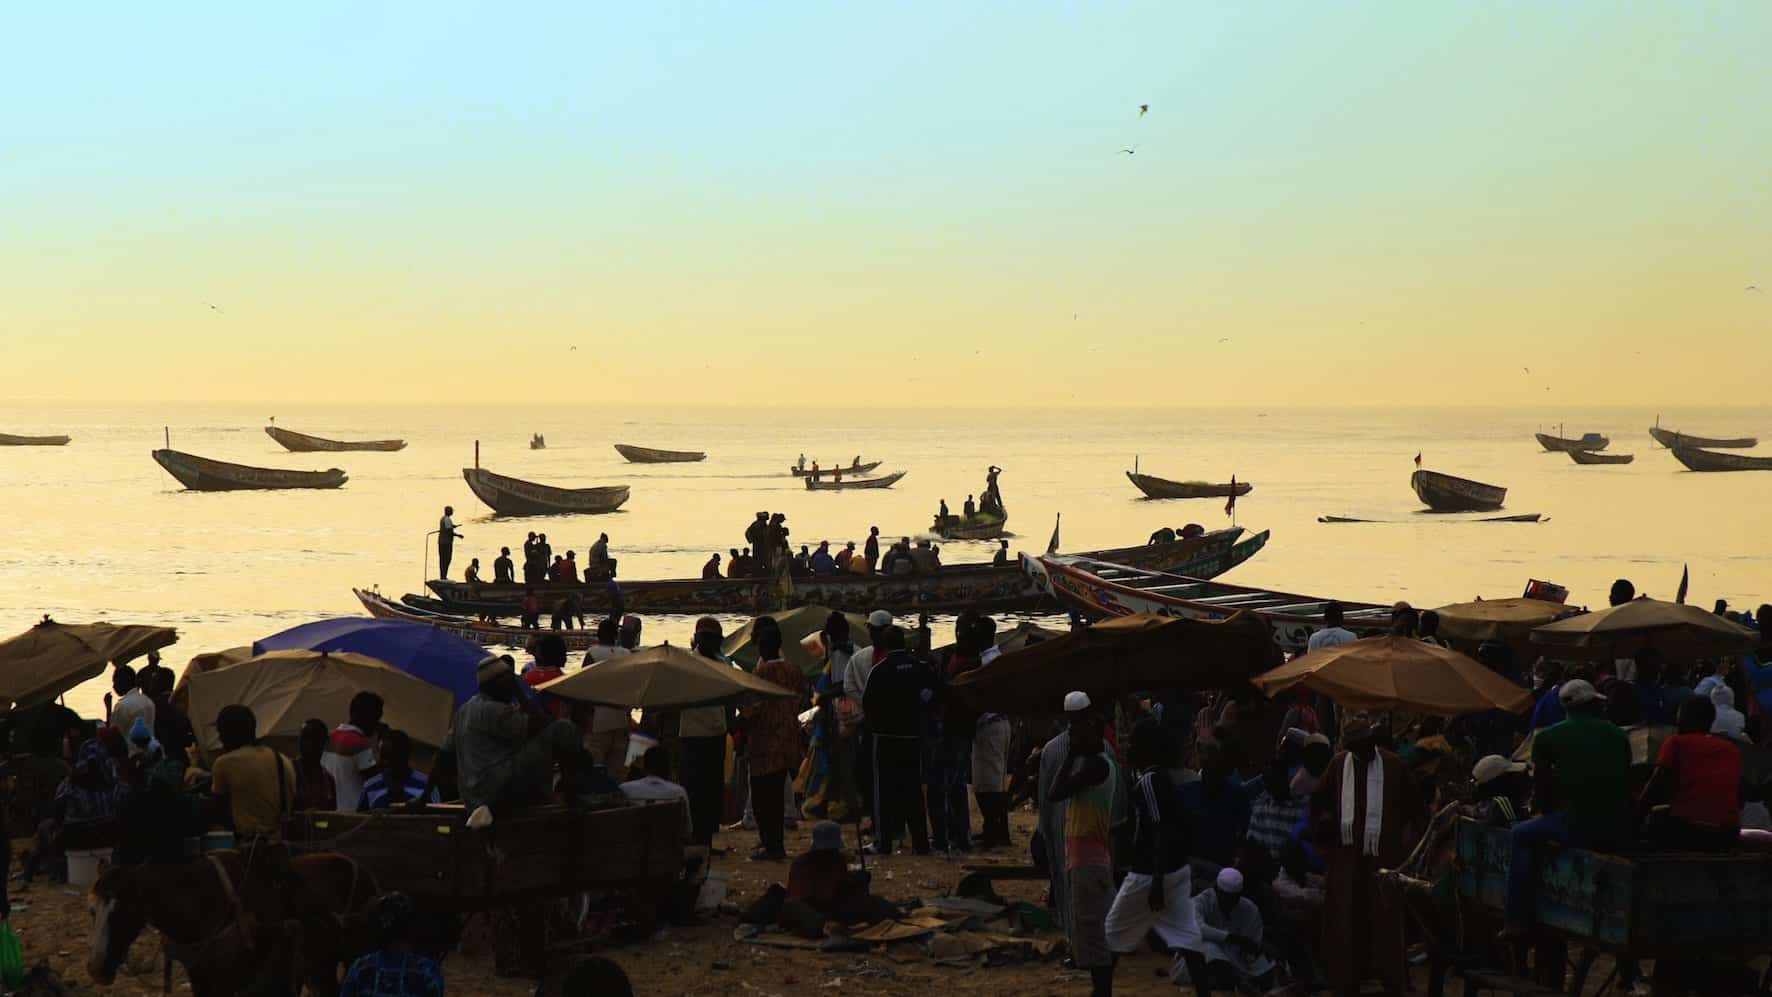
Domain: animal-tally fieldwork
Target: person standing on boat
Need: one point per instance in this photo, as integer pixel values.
(446, 538)
(544, 556)
(801, 466)
(992, 500)
(757, 535)
(599, 553)
(503, 571)
(871, 550)
(968, 510)
(1002, 555)
(531, 574)
(941, 516)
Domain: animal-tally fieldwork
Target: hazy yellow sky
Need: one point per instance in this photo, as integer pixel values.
(921, 202)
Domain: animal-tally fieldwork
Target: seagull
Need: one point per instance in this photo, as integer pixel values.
(1526, 369)
(1129, 152)
(1754, 288)
(1225, 339)
(1142, 108)
(574, 349)
(212, 307)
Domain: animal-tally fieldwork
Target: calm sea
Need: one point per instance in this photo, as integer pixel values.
(96, 530)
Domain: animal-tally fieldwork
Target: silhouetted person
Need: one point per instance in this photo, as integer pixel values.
(503, 571)
(446, 537)
(1622, 592)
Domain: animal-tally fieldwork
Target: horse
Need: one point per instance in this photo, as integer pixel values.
(195, 905)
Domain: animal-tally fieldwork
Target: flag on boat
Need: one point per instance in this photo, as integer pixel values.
(1685, 582)
(1230, 504)
(1052, 545)
(1418, 458)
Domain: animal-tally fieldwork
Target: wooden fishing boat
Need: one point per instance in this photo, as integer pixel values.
(1101, 589)
(822, 484)
(1445, 493)
(541, 852)
(516, 497)
(647, 455)
(1588, 441)
(303, 443)
(978, 526)
(1590, 457)
(200, 474)
(9, 440)
(1522, 517)
(1673, 440)
(1700, 459)
(990, 587)
(538, 442)
(801, 472)
(1162, 488)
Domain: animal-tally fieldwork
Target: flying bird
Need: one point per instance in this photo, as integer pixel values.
(1142, 108)
(1526, 369)
(212, 307)
(1129, 152)
(1754, 288)
(573, 349)
(1225, 339)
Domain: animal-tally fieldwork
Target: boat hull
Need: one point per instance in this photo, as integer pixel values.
(515, 497)
(1672, 440)
(1163, 488)
(819, 484)
(979, 526)
(1562, 444)
(1445, 493)
(9, 440)
(200, 474)
(296, 442)
(1590, 457)
(1291, 618)
(1700, 459)
(985, 587)
(647, 455)
(824, 472)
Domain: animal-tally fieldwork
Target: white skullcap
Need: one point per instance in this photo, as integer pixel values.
(1230, 880)
(1076, 702)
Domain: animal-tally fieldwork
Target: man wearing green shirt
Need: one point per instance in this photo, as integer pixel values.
(1582, 768)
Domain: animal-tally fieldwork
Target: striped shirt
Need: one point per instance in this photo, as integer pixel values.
(1273, 822)
(1088, 821)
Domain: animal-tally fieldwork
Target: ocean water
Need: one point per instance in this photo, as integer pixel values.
(96, 530)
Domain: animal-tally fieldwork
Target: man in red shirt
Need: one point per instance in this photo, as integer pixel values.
(550, 663)
(1698, 776)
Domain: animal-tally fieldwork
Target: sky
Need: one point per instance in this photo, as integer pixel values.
(919, 202)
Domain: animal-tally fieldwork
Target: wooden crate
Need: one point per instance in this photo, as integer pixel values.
(543, 852)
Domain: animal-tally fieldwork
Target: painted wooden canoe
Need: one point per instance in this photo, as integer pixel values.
(986, 587)
(200, 474)
(978, 526)
(801, 472)
(1163, 488)
(9, 440)
(1100, 589)
(1588, 441)
(647, 455)
(1591, 457)
(303, 443)
(1671, 440)
(1700, 459)
(515, 497)
(1445, 493)
(823, 484)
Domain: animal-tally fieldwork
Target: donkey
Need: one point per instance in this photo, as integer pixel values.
(195, 906)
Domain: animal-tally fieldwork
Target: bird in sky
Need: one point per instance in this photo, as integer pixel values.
(212, 307)
(1129, 152)
(1526, 369)
(574, 349)
(1142, 109)
(1754, 288)
(1225, 339)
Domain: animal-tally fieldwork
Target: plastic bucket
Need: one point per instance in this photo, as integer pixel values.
(83, 866)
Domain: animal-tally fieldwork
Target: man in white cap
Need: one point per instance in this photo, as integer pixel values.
(506, 745)
(1087, 784)
(1582, 766)
(1502, 790)
(1052, 755)
(1231, 925)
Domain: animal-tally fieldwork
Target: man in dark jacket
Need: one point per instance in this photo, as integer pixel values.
(902, 689)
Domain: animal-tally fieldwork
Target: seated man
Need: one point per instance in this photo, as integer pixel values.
(676, 901)
(656, 785)
(1231, 925)
(822, 880)
(1697, 778)
(1163, 536)
(398, 783)
(505, 744)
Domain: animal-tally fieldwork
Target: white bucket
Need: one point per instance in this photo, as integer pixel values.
(83, 866)
(638, 745)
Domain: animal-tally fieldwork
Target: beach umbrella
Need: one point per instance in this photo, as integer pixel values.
(796, 625)
(208, 661)
(50, 658)
(1497, 619)
(1678, 631)
(418, 649)
(1398, 673)
(286, 688)
(663, 677)
(1117, 657)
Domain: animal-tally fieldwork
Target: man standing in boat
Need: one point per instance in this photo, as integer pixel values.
(446, 537)
(503, 571)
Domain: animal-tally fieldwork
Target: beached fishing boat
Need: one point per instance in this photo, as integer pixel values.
(996, 588)
(801, 472)
(200, 474)
(1700, 459)
(647, 455)
(1671, 439)
(1588, 441)
(303, 443)
(1445, 493)
(823, 484)
(1591, 457)
(1101, 589)
(515, 497)
(1162, 488)
(9, 440)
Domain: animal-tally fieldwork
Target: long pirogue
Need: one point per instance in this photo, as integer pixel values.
(303, 443)
(1446, 493)
(648, 455)
(1162, 488)
(200, 474)
(1699, 459)
(9, 440)
(515, 497)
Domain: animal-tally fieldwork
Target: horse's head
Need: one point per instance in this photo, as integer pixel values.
(118, 917)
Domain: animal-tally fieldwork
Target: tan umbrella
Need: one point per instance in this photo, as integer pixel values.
(1496, 619)
(208, 661)
(286, 688)
(51, 658)
(1678, 631)
(663, 677)
(796, 625)
(1398, 673)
